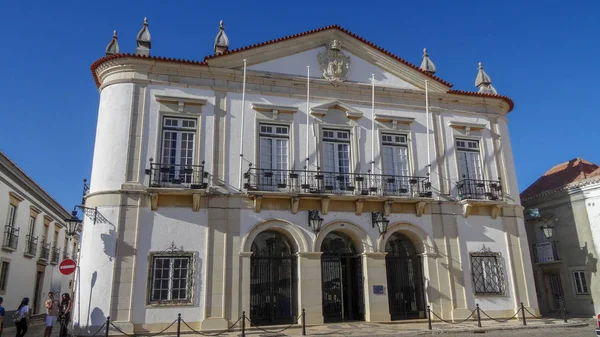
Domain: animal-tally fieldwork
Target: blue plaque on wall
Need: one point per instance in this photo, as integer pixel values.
(378, 290)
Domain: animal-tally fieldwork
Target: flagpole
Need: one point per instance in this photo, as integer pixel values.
(373, 123)
(307, 116)
(427, 117)
(242, 125)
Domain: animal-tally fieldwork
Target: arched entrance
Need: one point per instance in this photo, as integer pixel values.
(405, 278)
(342, 279)
(273, 295)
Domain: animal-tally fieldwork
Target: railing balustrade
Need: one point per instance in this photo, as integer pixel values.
(31, 245)
(55, 255)
(479, 189)
(45, 251)
(320, 182)
(178, 176)
(11, 237)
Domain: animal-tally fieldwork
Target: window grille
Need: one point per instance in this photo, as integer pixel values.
(581, 287)
(488, 273)
(171, 277)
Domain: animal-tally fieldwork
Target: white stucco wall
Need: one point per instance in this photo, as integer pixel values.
(360, 70)
(158, 229)
(112, 137)
(474, 232)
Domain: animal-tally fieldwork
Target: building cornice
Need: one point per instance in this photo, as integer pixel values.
(154, 72)
(25, 181)
(571, 188)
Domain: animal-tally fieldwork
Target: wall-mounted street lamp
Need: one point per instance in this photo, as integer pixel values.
(548, 230)
(314, 221)
(378, 219)
(73, 224)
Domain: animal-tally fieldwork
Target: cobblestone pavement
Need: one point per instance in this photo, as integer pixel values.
(534, 328)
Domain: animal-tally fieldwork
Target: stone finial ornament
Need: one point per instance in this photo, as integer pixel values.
(484, 82)
(426, 65)
(113, 46)
(221, 41)
(143, 40)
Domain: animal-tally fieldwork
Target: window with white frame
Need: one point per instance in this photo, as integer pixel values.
(12, 213)
(336, 151)
(274, 154)
(178, 146)
(469, 159)
(171, 278)
(581, 287)
(487, 272)
(395, 154)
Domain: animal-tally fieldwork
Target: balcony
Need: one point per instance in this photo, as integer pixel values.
(11, 238)
(545, 252)
(66, 255)
(45, 252)
(318, 182)
(178, 176)
(55, 255)
(31, 245)
(479, 189)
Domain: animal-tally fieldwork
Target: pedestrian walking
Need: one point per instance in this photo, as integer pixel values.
(21, 317)
(52, 312)
(65, 311)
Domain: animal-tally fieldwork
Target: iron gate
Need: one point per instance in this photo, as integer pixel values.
(272, 286)
(405, 287)
(342, 284)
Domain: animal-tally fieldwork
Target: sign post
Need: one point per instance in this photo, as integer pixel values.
(67, 267)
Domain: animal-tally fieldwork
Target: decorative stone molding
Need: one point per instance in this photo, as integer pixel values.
(325, 205)
(322, 110)
(257, 203)
(395, 120)
(468, 127)
(496, 210)
(334, 64)
(275, 109)
(359, 206)
(295, 203)
(181, 101)
(387, 207)
(14, 198)
(196, 200)
(420, 207)
(154, 201)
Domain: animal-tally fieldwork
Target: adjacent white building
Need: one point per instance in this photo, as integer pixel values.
(229, 185)
(33, 241)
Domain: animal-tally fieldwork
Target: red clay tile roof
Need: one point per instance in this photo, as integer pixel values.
(561, 175)
(341, 29)
(96, 64)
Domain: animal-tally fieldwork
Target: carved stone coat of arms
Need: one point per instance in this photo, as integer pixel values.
(334, 64)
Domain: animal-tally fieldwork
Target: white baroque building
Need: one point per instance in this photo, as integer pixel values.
(34, 242)
(207, 171)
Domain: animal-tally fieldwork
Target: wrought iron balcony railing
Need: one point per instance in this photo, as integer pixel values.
(178, 176)
(31, 246)
(55, 255)
(66, 255)
(45, 251)
(479, 189)
(319, 182)
(11, 237)
(545, 252)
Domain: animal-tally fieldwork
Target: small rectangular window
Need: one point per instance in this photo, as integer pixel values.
(487, 272)
(12, 213)
(4, 275)
(581, 287)
(171, 279)
(336, 135)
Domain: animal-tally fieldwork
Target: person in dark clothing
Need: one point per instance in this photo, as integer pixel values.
(65, 311)
(22, 322)
(2, 313)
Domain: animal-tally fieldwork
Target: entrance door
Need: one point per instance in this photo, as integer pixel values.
(556, 292)
(342, 280)
(272, 280)
(405, 279)
(39, 279)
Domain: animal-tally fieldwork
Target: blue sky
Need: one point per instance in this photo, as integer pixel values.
(543, 55)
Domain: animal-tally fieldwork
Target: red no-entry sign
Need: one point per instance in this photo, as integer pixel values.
(67, 267)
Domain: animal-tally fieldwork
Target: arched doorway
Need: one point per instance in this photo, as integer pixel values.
(405, 278)
(272, 280)
(342, 279)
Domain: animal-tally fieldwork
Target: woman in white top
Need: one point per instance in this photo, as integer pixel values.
(23, 321)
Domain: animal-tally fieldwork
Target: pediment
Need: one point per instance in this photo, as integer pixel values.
(291, 56)
(321, 110)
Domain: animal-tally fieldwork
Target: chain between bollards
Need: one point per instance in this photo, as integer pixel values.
(303, 322)
(478, 316)
(178, 324)
(243, 324)
(523, 313)
(107, 326)
(429, 317)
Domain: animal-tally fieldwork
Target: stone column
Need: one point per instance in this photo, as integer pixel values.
(377, 308)
(309, 286)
